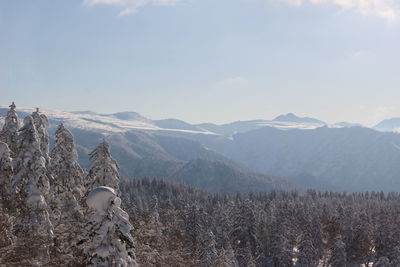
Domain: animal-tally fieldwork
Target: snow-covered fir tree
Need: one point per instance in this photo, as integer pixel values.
(9, 133)
(31, 182)
(338, 257)
(207, 251)
(395, 257)
(66, 193)
(226, 255)
(41, 123)
(311, 241)
(281, 248)
(383, 262)
(108, 241)
(103, 169)
(306, 256)
(243, 236)
(6, 174)
(6, 233)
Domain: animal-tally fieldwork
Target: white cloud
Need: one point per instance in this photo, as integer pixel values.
(130, 6)
(387, 9)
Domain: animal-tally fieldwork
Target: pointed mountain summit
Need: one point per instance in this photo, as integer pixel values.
(388, 125)
(290, 117)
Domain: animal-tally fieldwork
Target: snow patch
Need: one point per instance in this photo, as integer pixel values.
(102, 122)
(100, 198)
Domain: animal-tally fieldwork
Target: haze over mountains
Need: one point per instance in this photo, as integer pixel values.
(245, 156)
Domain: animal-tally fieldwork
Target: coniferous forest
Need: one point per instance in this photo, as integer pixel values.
(55, 213)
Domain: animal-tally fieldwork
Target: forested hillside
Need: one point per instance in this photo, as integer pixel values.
(181, 226)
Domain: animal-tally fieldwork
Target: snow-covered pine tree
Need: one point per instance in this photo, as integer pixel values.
(41, 123)
(226, 255)
(64, 166)
(281, 250)
(103, 169)
(338, 257)
(6, 174)
(383, 262)
(226, 258)
(154, 214)
(193, 222)
(207, 253)
(6, 233)
(107, 241)
(384, 240)
(243, 235)
(395, 257)
(306, 256)
(311, 244)
(361, 245)
(31, 182)
(9, 133)
(66, 193)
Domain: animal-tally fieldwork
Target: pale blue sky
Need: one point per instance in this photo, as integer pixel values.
(204, 60)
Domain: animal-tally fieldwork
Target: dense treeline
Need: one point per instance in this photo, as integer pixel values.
(181, 226)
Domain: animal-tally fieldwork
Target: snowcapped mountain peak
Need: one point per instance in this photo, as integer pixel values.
(129, 116)
(291, 117)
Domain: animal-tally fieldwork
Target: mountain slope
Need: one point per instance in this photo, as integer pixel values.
(353, 159)
(176, 124)
(389, 125)
(290, 117)
(141, 153)
(220, 177)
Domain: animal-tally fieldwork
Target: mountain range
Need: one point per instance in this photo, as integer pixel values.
(258, 155)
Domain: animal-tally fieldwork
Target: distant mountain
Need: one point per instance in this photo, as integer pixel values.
(176, 124)
(129, 116)
(220, 177)
(245, 126)
(290, 117)
(84, 112)
(347, 124)
(234, 127)
(127, 121)
(334, 157)
(142, 153)
(352, 159)
(389, 125)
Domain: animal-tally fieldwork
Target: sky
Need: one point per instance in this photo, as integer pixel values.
(204, 60)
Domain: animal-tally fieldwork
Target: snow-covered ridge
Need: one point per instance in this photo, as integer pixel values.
(291, 125)
(126, 121)
(101, 122)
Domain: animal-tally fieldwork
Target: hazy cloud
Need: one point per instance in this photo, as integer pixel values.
(130, 6)
(387, 9)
